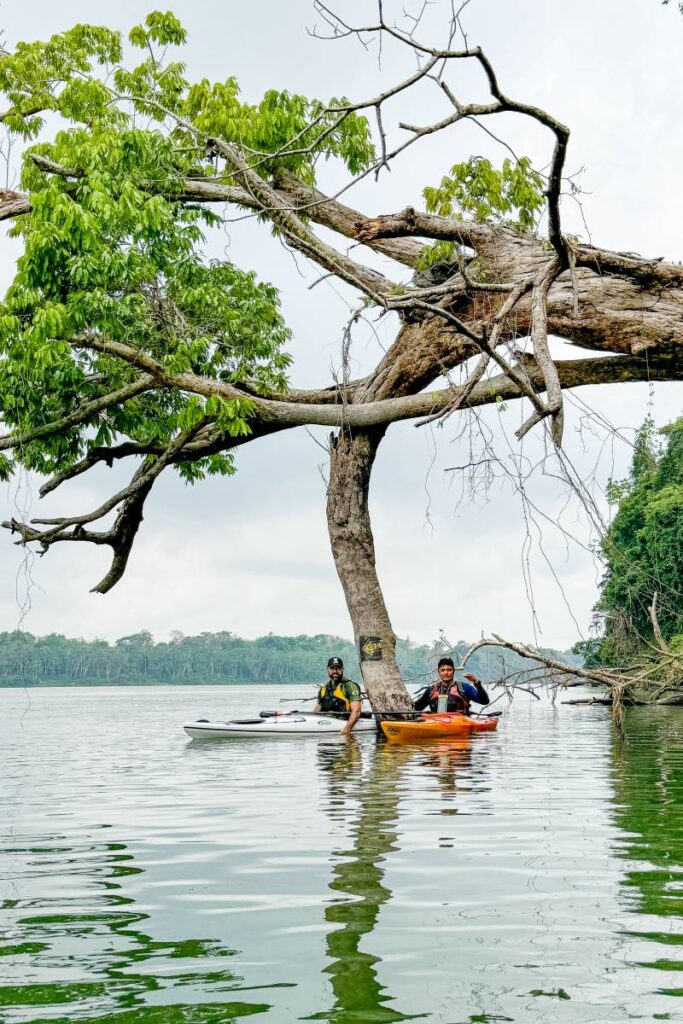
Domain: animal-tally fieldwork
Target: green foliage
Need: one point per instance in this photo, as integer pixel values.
(512, 195)
(297, 129)
(589, 651)
(160, 27)
(6, 468)
(40, 77)
(643, 549)
(104, 257)
(437, 254)
(110, 254)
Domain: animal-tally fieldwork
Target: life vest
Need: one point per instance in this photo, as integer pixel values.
(456, 700)
(335, 700)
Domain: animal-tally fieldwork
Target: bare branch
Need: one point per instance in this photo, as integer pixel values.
(539, 337)
(13, 204)
(484, 360)
(664, 647)
(153, 466)
(427, 225)
(122, 534)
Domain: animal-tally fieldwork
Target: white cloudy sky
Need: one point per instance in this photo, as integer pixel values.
(250, 554)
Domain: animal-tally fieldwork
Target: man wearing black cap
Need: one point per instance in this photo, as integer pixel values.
(456, 696)
(339, 695)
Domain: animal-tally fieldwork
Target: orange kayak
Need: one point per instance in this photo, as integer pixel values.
(436, 727)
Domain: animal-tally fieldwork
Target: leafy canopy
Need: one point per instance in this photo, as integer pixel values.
(110, 254)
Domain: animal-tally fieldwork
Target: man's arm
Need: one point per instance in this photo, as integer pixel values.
(423, 699)
(352, 692)
(353, 717)
(476, 692)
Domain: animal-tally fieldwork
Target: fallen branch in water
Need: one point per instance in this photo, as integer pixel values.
(657, 681)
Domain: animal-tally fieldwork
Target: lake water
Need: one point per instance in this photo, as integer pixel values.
(530, 875)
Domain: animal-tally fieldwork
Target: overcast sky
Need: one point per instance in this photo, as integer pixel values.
(250, 554)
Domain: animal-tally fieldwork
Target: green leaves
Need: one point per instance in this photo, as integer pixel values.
(79, 74)
(160, 27)
(110, 256)
(512, 195)
(106, 257)
(36, 75)
(643, 548)
(438, 253)
(6, 468)
(288, 131)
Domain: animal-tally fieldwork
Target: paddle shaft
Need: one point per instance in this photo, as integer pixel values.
(396, 714)
(378, 714)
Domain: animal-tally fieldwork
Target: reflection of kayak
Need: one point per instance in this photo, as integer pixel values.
(276, 725)
(436, 727)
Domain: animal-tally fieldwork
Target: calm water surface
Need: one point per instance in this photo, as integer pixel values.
(534, 874)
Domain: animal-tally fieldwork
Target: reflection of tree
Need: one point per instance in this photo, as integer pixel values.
(359, 873)
(129, 977)
(648, 784)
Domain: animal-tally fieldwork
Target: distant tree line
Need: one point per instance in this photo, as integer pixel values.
(27, 660)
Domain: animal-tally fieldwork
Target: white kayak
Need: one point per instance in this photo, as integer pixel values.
(277, 725)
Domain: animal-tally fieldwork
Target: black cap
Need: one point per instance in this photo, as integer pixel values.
(446, 661)
(335, 663)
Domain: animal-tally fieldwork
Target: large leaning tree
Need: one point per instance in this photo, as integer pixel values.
(121, 340)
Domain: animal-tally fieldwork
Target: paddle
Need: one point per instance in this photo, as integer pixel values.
(473, 714)
(376, 714)
(328, 714)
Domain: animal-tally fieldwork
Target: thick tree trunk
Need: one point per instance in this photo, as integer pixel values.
(353, 548)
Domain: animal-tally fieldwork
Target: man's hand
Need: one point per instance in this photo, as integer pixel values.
(353, 718)
(472, 679)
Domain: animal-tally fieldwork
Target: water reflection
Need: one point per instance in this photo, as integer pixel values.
(369, 796)
(87, 956)
(448, 765)
(534, 875)
(648, 786)
(371, 800)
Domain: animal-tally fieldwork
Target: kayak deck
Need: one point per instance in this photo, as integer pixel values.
(276, 725)
(437, 726)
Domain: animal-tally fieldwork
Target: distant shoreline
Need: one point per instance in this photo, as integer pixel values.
(125, 684)
(216, 659)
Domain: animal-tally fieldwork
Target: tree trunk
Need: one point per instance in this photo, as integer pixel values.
(353, 548)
